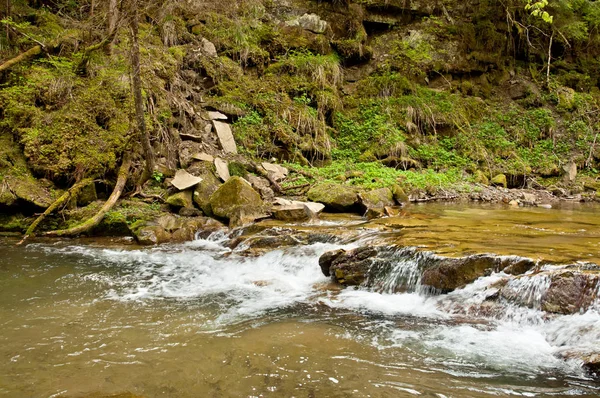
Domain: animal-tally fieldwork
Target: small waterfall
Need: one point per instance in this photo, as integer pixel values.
(398, 270)
(527, 290)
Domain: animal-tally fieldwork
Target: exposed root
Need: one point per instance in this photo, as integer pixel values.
(112, 200)
(72, 192)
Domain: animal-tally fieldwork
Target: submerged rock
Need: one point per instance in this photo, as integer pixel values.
(237, 202)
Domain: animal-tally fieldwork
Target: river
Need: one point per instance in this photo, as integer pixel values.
(91, 318)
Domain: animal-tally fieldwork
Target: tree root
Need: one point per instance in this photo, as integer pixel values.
(98, 217)
(72, 192)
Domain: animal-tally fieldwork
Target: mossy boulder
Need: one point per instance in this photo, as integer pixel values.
(209, 184)
(151, 235)
(499, 181)
(481, 178)
(335, 197)
(400, 195)
(181, 199)
(87, 195)
(237, 202)
(376, 199)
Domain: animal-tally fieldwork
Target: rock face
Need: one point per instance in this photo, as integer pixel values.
(337, 198)
(225, 137)
(184, 180)
(348, 268)
(237, 202)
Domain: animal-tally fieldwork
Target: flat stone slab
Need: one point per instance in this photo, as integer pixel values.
(205, 157)
(276, 171)
(225, 137)
(222, 169)
(217, 116)
(184, 180)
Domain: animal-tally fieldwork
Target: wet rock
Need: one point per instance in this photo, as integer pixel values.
(348, 267)
(376, 199)
(292, 212)
(151, 235)
(237, 202)
(335, 197)
(191, 226)
(499, 181)
(203, 192)
(315, 208)
(449, 274)
(25, 188)
(517, 265)
(591, 363)
(513, 203)
(169, 222)
(571, 292)
(374, 213)
(225, 136)
(184, 180)
(181, 199)
(222, 169)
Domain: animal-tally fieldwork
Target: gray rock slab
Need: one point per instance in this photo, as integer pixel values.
(222, 169)
(205, 157)
(276, 171)
(217, 116)
(225, 137)
(184, 180)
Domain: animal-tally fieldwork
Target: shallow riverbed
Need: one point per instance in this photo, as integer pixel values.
(98, 317)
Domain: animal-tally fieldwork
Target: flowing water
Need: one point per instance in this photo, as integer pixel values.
(93, 318)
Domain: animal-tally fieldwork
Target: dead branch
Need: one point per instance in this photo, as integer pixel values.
(32, 52)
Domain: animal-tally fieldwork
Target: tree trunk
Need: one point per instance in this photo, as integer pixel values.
(113, 16)
(114, 196)
(143, 133)
(32, 52)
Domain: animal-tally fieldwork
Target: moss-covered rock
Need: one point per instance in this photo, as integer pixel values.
(376, 199)
(204, 190)
(237, 202)
(181, 199)
(499, 181)
(400, 195)
(339, 198)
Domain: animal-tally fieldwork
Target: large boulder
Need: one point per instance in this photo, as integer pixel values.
(237, 202)
(339, 198)
(209, 184)
(151, 235)
(446, 274)
(376, 199)
(293, 210)
(181, 199)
